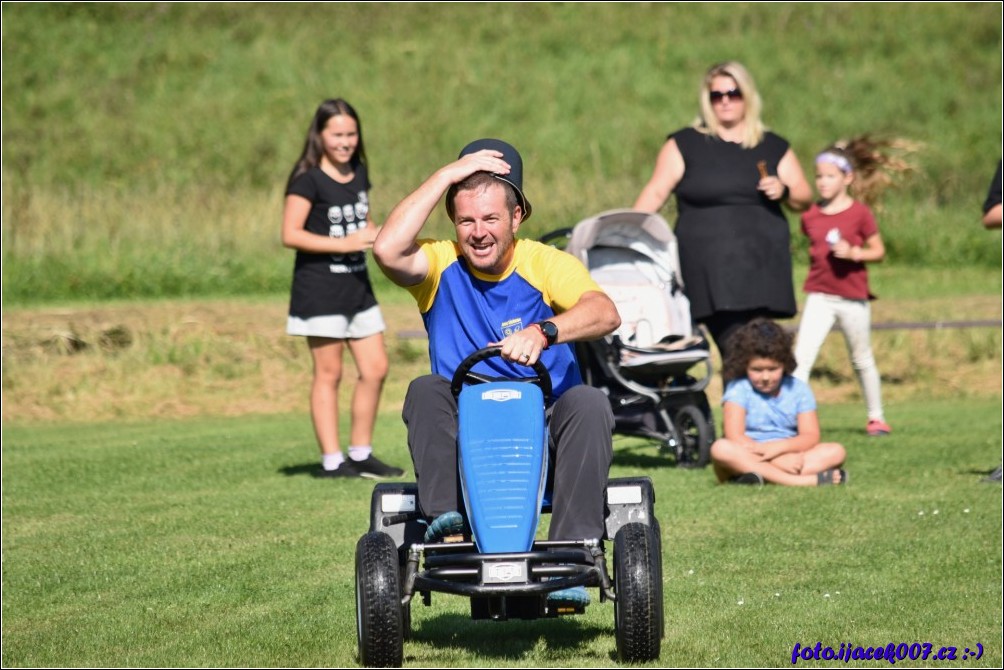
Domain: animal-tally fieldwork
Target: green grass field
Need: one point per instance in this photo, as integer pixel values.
(145, 148)
(207, 543)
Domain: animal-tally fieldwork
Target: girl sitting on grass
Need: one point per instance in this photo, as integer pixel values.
(770, 424)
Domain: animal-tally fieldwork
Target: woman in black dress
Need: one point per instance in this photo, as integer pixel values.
(731, 176)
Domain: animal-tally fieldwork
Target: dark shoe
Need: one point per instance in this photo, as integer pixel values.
(993, 478)
(347, 470)
(446, 525)
(749, 478)
(575, 597)
(826, 477)
(375, 469)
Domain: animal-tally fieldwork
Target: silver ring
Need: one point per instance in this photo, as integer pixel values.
(526, 357)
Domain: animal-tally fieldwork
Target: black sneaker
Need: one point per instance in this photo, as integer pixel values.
(748, 478)
(347, 470)
(575, 598)
(373, 468)
(445, 525)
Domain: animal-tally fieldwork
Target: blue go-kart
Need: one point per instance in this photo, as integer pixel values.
(501, 567)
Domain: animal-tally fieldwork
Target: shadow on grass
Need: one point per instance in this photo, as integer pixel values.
(991, 476)
(308, 469)
(644, 455)
(637, 456)
(509, 640)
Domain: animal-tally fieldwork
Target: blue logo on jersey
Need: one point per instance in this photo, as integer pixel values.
(511, 326)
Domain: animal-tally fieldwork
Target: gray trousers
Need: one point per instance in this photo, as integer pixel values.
(581, 427)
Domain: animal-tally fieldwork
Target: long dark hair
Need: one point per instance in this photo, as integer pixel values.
(313, 148)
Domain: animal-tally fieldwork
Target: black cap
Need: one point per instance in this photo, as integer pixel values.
(510, 156)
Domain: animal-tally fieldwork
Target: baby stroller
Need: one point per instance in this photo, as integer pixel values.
(655, 367)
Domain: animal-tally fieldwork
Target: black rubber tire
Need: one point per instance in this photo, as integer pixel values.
(638, 586)
(696, 435)
(379, 616)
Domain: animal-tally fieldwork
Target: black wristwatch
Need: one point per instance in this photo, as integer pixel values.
(550, 331)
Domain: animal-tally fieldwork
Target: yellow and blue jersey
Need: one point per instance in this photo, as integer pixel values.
(464, 310)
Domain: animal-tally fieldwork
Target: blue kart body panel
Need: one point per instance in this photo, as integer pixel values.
(503, 458)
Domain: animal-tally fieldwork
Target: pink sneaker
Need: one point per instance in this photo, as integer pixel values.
(878, 428)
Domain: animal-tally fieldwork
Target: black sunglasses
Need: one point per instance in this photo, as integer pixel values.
(733, 94)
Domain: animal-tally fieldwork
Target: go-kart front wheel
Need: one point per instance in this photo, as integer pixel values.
(379, 616)
(638, 584)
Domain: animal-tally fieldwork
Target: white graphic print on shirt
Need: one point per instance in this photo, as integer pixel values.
(346, 220)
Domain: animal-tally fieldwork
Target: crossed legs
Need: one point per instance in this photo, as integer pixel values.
(792, 469)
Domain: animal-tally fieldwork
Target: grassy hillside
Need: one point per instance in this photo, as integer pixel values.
(145, 146)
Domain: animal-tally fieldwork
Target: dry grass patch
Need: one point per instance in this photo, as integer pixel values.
(173, 359)
(229, 358)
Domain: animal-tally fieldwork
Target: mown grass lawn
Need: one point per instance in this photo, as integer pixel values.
(206, 543)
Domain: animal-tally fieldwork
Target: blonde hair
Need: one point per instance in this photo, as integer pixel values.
(876, 163)
(707, 122)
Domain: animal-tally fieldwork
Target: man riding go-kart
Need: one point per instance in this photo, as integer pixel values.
(527, 300)
(488, 287)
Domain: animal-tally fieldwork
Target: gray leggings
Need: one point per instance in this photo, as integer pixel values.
(581, 428)
(854, 317)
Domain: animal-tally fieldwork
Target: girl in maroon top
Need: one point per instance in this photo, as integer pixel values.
(843, 238)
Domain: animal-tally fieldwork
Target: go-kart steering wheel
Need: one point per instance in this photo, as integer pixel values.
(464, 374)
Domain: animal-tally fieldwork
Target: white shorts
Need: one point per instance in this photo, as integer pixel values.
(338, 326)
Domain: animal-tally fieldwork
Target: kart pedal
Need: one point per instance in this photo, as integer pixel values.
(564, 609)
(568, 601)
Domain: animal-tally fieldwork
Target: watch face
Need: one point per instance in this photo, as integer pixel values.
(550, 331)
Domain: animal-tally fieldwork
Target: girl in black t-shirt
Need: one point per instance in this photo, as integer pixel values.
(326, 220)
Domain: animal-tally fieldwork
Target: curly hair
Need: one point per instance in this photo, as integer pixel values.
(760, 338)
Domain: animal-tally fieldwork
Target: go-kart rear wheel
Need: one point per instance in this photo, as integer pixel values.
(696, 436)
(379, 614)
(638, 587)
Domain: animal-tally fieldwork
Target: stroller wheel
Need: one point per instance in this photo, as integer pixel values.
(696, 436)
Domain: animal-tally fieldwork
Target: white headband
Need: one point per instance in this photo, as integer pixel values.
(835, 159)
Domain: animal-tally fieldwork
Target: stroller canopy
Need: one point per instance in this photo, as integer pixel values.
(633, 255)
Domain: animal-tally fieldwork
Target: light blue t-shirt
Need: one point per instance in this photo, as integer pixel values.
(771, 417)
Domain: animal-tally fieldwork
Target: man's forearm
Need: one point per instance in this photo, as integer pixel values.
(396, 248)
(594, 316)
